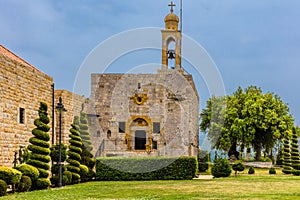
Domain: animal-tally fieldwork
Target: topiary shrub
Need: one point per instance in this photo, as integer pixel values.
(74, 151)
(251, 170)
(203, 159)
(28, 170)
(68, 175)
(238, 165)
(221, 168)
(87, 157)
(55, 157)
(55, 168)
(24, 185)
(54, 154)
(3, 187)
(84, 170)
(54, 180)
(84, 132)
(41, 184)
(87, 160)
(287, 169)
(272, 170)
(295, 154)
(40, 147)
(10, 175)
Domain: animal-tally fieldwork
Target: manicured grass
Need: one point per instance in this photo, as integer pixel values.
(240, 187)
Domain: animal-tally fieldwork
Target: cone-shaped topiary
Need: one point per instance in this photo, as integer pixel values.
(295, 154)
(86, 155)
(40, 147)
(84, 132)
(75, 150)
(287, 169)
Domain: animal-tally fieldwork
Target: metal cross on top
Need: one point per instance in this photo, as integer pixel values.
(172, 5)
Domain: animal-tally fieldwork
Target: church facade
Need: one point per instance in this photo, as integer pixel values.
(147, 114)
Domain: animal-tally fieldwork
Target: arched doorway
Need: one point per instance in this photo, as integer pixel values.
(139, 133)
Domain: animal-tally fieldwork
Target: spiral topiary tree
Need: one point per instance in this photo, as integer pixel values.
(287, 169)
(86, 155)
(40, 148)
(55, 158)
(75, 150)
(295, 154)
(84, 132)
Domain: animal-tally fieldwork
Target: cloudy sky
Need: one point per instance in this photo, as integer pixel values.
(252, 42)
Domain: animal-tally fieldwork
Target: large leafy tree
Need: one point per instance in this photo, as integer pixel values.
(248, 118)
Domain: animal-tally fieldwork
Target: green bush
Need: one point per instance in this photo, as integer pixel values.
(238, 165)
(24, 185)
(41, 184)
(9, 175)
(28, 170)
(203, 159)
(74, 151)
(221, 168)
(55, 153)
(39, 147)
(3, 187)
(251, 170)
(133, 168)
(68, 175)
(55, 168)
(84, 170)
(272, 170)
(54, 180)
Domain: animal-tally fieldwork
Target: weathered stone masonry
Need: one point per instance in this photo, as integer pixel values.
(22, 88)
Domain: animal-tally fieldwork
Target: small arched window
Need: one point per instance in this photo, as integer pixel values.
(108, 134)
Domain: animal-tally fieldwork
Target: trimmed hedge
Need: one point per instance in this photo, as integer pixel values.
(139, 168)
(24, 185)
(3, 188)
(10, 175)
(28, 170)
(41, 184)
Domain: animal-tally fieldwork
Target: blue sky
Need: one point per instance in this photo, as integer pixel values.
(252, 42)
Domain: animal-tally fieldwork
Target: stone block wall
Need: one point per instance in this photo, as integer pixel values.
(22, 88)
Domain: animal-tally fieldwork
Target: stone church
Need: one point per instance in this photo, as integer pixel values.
(147, 114)
(129, 114)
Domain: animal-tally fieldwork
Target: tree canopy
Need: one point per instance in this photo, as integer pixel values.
(247, 118)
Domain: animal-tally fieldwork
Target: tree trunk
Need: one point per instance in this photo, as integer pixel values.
(258, 152)
(233, 151)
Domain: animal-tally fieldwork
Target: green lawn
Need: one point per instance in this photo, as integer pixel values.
(241, 187)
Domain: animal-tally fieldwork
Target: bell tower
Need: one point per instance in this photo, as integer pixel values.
(171, 42)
